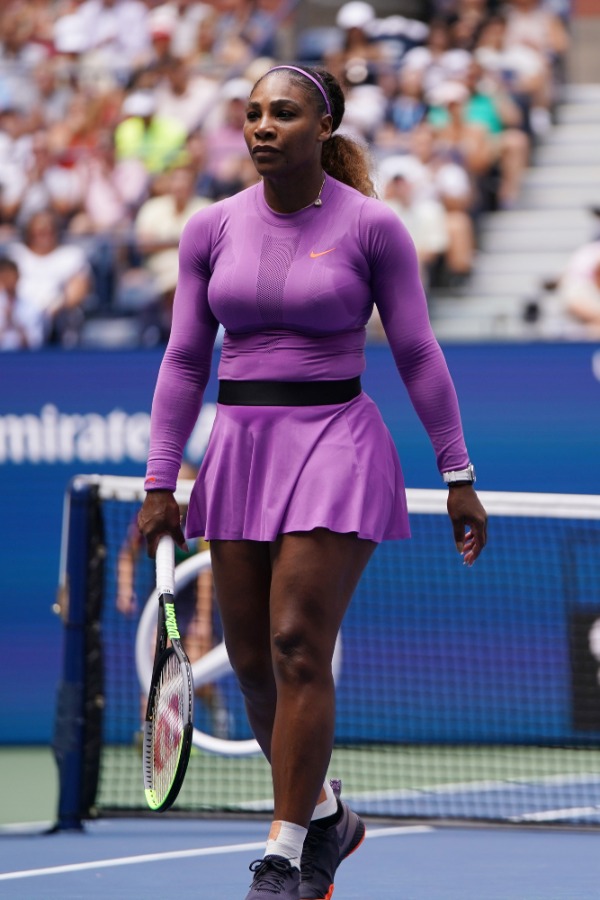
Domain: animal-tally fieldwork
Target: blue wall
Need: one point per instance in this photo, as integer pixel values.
(531, 415)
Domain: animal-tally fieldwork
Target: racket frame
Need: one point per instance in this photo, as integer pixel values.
(167, 630)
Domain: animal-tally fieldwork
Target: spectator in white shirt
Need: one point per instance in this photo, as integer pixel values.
(55, 276)
(184, 97)
(21, 323)
(579, 289)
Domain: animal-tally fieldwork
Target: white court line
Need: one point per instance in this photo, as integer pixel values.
(185, 854)
(553, 814)
(26, 827)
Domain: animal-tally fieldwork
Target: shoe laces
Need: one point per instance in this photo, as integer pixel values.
(269, 872)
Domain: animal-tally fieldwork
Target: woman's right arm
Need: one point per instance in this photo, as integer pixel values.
(180, 385)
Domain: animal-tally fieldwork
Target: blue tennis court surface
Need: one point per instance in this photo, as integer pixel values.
(209, 860)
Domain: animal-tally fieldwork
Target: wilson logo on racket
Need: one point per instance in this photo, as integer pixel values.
(171, 621)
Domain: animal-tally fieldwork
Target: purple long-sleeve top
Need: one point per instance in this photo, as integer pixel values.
(294, 293)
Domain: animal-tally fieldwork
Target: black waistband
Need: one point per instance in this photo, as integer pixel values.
(288, 393)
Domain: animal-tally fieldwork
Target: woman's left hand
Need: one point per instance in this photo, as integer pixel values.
(469, 521)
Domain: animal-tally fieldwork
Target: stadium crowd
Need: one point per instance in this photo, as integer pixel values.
(120, 118)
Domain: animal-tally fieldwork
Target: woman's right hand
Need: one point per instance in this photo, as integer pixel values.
(160, 514)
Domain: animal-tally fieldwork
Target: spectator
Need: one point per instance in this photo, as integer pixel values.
(195, 153)
(112, 191)
(466, 22)
(145, 136)
(438, 60)
(436, 178)
(21, 323)
(117, 36)
(467, 143)
(86, 115)
(532, 24)
(490, 104)
(70, 38)
(157, 227)
(55, 276)
(20, 26)
(183, 97)
(242, 31)
(162, 21)
(189, 20)
(203, 53)
(159, 223)
(365, 110)
(406, 108)
(520, 69)
(224, 141)
(42, 183)
(579, 288)
(357, 60)
(11, 165)
(424, 218)
(51, 93)
(13, 125)
(112, 194)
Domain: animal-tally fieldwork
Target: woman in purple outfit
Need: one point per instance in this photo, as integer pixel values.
(301, 478)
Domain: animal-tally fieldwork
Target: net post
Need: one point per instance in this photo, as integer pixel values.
(76, 741)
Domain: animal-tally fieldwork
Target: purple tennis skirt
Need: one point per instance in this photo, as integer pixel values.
(269, 470)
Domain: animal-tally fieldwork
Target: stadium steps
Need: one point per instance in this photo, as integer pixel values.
(521, 248)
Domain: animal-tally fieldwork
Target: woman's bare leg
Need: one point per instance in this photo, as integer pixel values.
(242, 576)
(282, 606)
(314, 577)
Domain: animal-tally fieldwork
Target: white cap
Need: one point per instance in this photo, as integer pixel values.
(163, 20)
(448, 92)
(236, 89)
(365, 107)
(355, 14)
(401, 166)
(69, 35)
(139, 103)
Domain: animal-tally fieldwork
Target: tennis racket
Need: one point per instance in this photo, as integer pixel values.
(168, 726)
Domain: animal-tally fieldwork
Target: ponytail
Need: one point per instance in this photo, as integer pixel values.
(344, 158)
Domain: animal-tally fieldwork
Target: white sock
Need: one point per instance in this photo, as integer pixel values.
(326, 807)
(286, 839)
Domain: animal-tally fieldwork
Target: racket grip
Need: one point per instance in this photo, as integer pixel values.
(165, 565)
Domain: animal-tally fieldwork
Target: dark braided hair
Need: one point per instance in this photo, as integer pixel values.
(343, 158)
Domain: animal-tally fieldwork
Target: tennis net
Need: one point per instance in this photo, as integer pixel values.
(462, 693)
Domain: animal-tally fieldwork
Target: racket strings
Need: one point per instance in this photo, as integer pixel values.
(167, 726)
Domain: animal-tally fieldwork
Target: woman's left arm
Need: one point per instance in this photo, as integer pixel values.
(400, 298)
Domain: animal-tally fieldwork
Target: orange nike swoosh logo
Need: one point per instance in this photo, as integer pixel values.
(314, 255)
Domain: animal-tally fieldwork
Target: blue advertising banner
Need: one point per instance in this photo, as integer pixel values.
(530, 413)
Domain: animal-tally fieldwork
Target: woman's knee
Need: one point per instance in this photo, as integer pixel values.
(301, 654)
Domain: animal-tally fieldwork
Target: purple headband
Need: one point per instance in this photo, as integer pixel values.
(314, 81)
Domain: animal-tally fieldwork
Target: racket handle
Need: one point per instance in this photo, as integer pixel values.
(165, 565)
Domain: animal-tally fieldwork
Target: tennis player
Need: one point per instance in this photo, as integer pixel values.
(301, 479)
